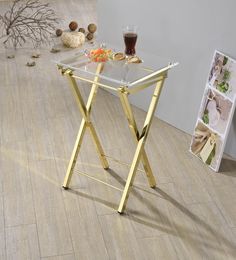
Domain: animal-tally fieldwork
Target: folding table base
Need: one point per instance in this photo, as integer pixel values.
(139, 136)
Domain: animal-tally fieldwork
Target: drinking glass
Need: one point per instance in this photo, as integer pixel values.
(130, 38)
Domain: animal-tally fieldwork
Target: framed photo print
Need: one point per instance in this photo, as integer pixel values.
(216, 111)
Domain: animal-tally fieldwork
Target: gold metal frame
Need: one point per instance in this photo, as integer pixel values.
(140, 137)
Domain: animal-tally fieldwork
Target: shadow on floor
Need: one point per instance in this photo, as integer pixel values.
(228, 167)
(205, 238)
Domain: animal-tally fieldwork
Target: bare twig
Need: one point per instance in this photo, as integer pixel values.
(28, 20)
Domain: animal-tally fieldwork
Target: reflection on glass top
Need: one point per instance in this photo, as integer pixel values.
(117, 72)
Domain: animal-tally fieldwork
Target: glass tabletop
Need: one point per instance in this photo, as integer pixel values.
(115, 73)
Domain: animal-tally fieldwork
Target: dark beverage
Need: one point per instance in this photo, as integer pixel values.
(130, 41)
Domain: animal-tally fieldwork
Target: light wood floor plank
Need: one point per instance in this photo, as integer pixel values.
(183, 234)
(53, 229)
(149, 209)
(229, 244)
(224, 196)
(59, 257)
(2, 231)
(120, 238)
(192, 191)
(211, 224)
(22, 242)
(158, 248)
(18, 204)
(11, 115)
(62, 145)
(190, 215)
(86, 233)
(116, 175)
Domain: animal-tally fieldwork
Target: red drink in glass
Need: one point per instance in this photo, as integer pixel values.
(130, 41)
(130, 38)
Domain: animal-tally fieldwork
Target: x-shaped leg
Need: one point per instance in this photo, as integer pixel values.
(86, 123)
(140, 153)
(134, 130)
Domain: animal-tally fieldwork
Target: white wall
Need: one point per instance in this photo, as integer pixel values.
(187, 31)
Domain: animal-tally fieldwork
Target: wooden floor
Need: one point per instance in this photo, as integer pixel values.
(190, 215)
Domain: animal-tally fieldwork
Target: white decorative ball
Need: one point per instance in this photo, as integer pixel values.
(73, 39)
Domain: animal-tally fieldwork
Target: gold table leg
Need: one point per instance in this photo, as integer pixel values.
(85, 111)
(133, 127)
(141, 138)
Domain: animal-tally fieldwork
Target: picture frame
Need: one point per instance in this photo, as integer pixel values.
(216, 111)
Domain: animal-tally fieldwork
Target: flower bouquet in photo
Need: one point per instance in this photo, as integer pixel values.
(223, 75)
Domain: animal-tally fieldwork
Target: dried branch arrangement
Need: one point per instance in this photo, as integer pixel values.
(28, 20)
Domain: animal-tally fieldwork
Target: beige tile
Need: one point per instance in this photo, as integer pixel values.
(22, 242)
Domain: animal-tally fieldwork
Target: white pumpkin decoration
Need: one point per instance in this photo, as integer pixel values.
(73, 39)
